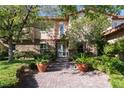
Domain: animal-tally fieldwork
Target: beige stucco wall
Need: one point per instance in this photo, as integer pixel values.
(48, 37)
(112, 38)
(52, 33)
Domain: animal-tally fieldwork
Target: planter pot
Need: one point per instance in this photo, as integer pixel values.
(41, 67)
(82, 67)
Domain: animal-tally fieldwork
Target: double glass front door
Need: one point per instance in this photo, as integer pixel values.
(62, 50)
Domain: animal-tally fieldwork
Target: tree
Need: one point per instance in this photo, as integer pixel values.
(77, 30)
(87, 29)
(66, 10)
(73, 10)
(91, 26)
(95, 35)
(12, 21)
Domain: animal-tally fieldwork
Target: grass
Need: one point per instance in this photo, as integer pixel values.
(8, 72)
(117, 80)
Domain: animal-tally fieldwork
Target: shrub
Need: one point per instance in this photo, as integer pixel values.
(3, 52)
(116, 48)
(78, 55)
(28, 54)
(33, 66)
(117, 80)
(80, 60)
(42, 56)
(120, 45)
(109, 49)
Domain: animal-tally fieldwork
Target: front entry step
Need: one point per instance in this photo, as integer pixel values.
(62, 59)
(59, 64)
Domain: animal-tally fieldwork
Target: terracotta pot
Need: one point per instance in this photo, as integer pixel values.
(82, 67)
(41, 67)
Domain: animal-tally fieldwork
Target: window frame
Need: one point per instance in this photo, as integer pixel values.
(61, 29)
(43, 46)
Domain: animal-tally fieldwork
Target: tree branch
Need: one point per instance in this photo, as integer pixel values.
(24, 21)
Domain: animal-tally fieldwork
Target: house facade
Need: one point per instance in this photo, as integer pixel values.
(46, 41)
(116, 31)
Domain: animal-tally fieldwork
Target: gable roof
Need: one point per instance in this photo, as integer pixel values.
(117, 17)
(55, 18)
(113, 30)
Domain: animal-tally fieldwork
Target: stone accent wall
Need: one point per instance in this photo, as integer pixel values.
(26, 48)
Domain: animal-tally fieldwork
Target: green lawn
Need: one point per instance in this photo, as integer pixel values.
(117, 81)
(8, 72)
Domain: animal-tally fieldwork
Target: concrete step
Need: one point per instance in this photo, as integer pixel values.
(62, 59)
(61, 63)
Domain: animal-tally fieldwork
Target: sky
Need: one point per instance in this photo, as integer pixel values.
(122, 12)
(52, 10)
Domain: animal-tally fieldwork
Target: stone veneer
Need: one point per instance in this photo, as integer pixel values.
(31, 48)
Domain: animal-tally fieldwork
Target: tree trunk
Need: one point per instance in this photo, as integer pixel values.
(10, 50)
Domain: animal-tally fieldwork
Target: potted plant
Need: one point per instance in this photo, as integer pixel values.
(41, 64)
(81, 64)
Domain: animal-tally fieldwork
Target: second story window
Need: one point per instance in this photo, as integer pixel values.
(61, 29)
(114, 24)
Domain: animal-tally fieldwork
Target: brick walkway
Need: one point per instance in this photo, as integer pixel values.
(62, 75)
(71, 79)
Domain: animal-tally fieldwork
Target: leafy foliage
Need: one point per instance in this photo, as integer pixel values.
(65, 10)
(14, 18)
(109, 49)
(12, 21)
(42, 59)
(86, 29)
(113, 66)
(3, 52)
(18, 54)
(116, 48)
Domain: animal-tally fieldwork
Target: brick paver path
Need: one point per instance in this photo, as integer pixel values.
(69, 78)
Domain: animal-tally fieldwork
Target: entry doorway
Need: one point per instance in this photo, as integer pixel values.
(62, 49)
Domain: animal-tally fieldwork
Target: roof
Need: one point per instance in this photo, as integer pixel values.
(117, 17)
(66, 17)
(113, 30)
(55, 18)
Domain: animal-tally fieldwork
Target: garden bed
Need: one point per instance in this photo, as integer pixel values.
(113, 66)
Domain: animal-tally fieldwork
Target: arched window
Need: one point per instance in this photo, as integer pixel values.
(61, 29)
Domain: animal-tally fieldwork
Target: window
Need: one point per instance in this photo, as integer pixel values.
(43, 46)
(61, 29)
(114, 24)
(14, 47)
